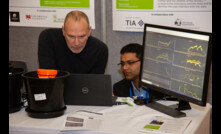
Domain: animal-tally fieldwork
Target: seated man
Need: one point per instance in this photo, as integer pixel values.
(130, 66)
(72, 48)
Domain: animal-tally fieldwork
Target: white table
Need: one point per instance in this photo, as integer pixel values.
(121, 119)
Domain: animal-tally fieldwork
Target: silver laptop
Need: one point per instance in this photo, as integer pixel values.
(88, 89)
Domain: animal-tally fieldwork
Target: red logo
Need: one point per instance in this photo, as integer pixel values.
(28, 17)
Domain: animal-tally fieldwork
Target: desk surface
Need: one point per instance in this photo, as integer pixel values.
(122, 119)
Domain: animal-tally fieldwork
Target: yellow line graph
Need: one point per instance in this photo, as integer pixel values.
(196, 50)
(195, 62)
(163, 56)
(192, 77)
(195, 47)
(185, 90)
(189, 92)
(164, 44)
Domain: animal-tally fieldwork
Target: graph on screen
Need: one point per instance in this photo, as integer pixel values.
(175, 62)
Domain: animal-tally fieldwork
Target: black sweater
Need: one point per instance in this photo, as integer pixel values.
(53, 53)
(121, 88)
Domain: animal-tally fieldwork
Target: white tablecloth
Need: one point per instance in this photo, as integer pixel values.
(121, 119)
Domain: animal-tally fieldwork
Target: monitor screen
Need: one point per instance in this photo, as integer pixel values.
(176, 62)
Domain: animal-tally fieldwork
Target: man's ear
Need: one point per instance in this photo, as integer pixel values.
(89, 31)
(63, 30)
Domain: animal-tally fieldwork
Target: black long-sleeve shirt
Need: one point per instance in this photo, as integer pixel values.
(53, 53)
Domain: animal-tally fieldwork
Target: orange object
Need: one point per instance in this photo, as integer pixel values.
(46, 73)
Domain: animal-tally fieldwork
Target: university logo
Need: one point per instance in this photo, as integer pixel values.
(183, 23)
(14, 16)
(178, 22)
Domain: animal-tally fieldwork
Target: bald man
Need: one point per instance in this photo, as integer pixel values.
(72, 48)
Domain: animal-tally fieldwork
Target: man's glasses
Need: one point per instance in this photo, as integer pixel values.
(127, 63)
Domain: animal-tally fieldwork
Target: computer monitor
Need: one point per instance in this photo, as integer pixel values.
(176, 62)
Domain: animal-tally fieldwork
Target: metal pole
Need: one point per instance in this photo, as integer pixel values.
(103, 21)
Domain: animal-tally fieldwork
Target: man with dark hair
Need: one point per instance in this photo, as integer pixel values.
(72, 48)
(130, 66)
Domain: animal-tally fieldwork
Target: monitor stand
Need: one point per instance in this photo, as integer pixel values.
(170, 110)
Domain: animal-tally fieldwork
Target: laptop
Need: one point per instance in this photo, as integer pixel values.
(88, 89)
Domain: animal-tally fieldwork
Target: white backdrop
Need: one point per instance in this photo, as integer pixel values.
(129, 15)
(47, 13)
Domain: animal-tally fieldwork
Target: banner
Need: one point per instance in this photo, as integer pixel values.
(130, 15)
(47, 13)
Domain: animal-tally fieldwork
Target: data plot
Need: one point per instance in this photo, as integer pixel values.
(191, 47)
(187, 76)
(189, 62)
(160, 41)
(159, 55)
(192, 91)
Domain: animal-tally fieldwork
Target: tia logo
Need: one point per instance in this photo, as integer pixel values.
(134, 23)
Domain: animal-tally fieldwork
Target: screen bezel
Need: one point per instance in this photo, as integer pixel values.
(207, 67)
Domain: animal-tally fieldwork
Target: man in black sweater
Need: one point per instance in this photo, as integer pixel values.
(72, 48)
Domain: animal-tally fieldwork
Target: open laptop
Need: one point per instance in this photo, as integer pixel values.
(88, 89)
